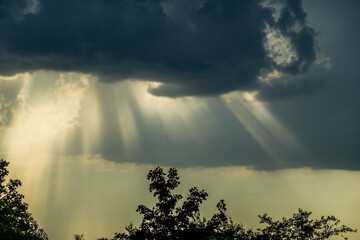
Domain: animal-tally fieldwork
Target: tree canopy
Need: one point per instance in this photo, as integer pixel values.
(167, 220)
(16, 223)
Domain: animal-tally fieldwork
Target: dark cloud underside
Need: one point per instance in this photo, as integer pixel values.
(200, 47)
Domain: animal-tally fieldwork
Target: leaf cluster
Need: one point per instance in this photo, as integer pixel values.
(15, 220)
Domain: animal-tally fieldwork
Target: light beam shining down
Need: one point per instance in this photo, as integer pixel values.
(276, 140)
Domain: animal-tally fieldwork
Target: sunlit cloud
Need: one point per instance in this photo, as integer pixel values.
(279, 47)
(267, 77)
(39, 124)
(12, 97)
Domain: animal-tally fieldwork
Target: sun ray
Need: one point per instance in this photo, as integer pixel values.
(126, 119)
(276, 140)
(41, 127)
(90, 121)
(177, 116)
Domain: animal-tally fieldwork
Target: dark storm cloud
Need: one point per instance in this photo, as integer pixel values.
(292, 23)
(201, 47)
(285, 88)
(17, 9)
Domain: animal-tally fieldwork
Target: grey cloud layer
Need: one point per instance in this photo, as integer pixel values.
(17, 9)
(202, 47)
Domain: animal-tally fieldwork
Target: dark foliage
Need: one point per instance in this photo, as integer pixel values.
(167, 221)
(15, 222)
(79, 237)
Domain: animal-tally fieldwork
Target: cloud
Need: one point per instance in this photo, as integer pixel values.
(17, 9)
(284, 88)
(38, 124)
(194, 48)
(10, 98)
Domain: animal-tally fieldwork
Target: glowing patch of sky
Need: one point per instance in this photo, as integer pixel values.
(83, 193)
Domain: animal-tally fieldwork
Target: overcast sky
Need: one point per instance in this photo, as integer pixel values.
(268, 89)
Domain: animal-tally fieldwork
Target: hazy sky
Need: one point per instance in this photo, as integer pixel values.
(262, 94)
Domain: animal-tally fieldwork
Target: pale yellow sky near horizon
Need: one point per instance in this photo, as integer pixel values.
(98, 198)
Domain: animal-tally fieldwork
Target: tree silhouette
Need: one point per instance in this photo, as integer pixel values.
(300, 227)
(15, 222)
(79, 237)
(167, 221)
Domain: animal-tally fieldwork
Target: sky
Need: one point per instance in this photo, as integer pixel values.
(261, 94)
